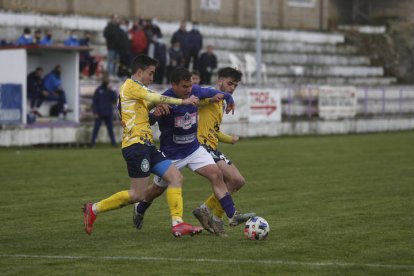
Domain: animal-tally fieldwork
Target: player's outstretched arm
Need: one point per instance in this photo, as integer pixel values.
(209, 93)
(160, 99)
(228, 139)
(216, 98)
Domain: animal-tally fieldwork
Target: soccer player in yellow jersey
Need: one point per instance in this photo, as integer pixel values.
(210, 213)
(141, 156)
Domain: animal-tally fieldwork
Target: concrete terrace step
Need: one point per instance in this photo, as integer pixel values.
(358, 81)
(277, 46)
(298, 58)
(321, 71)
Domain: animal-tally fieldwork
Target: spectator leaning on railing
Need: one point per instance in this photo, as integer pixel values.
(26, 38)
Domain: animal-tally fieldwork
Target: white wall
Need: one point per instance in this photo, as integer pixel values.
(13, 70)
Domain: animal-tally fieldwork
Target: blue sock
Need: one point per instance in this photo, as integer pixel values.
(227, 204)
(143, 206)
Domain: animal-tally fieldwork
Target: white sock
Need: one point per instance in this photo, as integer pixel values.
(94, 210)
(216, 218)
(176, 220)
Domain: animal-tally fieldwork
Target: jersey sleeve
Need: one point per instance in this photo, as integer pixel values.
(138, 92)
(225, 138)
(204, 93)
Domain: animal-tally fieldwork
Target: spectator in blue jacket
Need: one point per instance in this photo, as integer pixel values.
(47, 39)
(72, 40)
(52, 83)
(195, 40)
(102, 107)
(26, 38)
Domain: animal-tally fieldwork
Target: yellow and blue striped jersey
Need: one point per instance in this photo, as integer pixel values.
(133, 111)
(209, 121)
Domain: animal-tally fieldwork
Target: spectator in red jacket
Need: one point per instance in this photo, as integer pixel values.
(139, 41)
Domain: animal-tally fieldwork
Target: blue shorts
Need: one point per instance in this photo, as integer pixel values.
(143, 159)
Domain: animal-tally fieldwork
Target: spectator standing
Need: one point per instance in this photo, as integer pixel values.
(110, 34)
(139, 41)
(102, 107)
(123, 46)
(158, 50)
(181, 36)
(35, 89)
(207, 64)
(148, 30)
(156, 30)
(26, 38)
(195, 40)
(52, 83)
(176, 58)
(85, 57)
(72, 40)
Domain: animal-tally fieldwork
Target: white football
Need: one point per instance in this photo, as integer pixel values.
(256, 228)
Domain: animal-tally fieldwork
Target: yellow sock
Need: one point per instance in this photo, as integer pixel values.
(175, 203)
(115, 201)
(213, 204)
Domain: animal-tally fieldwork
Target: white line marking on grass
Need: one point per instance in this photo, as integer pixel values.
(268, 262)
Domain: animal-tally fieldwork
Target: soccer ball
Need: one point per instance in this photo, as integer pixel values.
(256, 228)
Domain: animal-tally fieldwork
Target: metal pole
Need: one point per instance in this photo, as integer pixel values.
(366, 103)
(258, 44)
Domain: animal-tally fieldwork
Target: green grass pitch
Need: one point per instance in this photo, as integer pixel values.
(336, 205)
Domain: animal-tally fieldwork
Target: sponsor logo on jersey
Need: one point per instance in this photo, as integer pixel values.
(184, 139)
(186, 121)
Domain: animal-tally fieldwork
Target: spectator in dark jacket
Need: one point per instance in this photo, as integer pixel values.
(123, 46)
(85, 57)
(155, 28)
(110, 34)
(176, 58)
(207, 64)
(181, 36)
(35, 89)
(102, 107)
(159, 51)
(37, 37)
(195, 40)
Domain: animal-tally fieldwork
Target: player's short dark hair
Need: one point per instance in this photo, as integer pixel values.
(39, 69)
(142, 62)
(195, 72)
(180, 74)
(230, 72)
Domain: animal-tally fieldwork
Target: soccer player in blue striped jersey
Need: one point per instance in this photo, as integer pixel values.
(179, 142)
(139, 152)
(210, 213)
